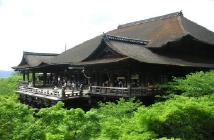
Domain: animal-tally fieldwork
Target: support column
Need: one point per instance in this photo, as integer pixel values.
(28, 79)
(96, 78)
(100, 79)
(51, 79)
(45, 78)
(33, 78)
(128, 77)
(23, 74)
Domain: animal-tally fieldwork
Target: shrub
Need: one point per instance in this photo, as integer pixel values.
(8, 85)
(14, 117)
(180, 117)
(194, 84)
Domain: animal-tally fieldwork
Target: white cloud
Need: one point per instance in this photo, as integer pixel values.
(46, 25)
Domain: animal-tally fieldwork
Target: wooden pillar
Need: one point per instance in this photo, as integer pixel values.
(111, 82)
(51, 79)
(63, 92)
(33, 78)
(28, 76)
(45, 78)
(100, 79)
(89, 81)
(23, 74)
(140, 78)
(128, 77)
(96, 78)
(143, 78)
(129, 91)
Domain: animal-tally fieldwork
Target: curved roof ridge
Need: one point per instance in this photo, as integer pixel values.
(196, 30)
(126, 39)
(175, 14)
(142, 54)
(39, 54)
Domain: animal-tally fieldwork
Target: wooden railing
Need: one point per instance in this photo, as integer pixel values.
(22, 84)
(58, 92)
(45, 92)
(93, 90)
(124, 91)
(144, 91)
(108, 90)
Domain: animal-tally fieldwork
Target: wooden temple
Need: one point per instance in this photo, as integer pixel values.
(130, 61)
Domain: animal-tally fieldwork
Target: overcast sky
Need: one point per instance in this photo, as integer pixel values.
(47, 25)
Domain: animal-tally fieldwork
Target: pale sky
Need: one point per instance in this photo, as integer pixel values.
(47, 25)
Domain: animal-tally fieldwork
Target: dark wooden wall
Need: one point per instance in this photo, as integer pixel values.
(148, 73)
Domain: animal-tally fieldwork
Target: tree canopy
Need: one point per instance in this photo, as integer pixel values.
(188, 115)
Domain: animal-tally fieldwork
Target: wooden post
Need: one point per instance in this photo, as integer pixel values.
(23, 73)
(51, 79)
(28, 76)
(129, 90)
(63, 92)
(96, 78)
(33, 78)
(128, 80)
(45, 78)
(99, 79)
(81, 90)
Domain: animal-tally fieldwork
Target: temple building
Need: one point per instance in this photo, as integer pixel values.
(130, 61)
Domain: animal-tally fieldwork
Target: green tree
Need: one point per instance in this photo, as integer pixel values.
(181, 117)
(8, 85)
(194, 84)
(13, 116)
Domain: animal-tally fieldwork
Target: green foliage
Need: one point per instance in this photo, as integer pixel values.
(114, 117)
(180, 117)
(120, 109)
(194, 84)
(8, 85)
(13, 117)
(58, 123)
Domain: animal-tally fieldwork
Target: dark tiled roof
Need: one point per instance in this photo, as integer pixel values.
(125, 39)
(129, 38)
(150, 20)
(32, 59)
(197, 31)
(40, 54)
(79, 52)
(154, 33)
(103, 61)
(142, 54)
(161, 30)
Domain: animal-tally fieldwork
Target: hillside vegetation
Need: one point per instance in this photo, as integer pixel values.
(8, 85)
(187, 113)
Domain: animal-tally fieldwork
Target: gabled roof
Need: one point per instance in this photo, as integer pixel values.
(156, 32)
(32, 59)
(197, 31)
(163, 29)
(135, 49)
(143, 54)
(103, 61)
(79, 52)
(133, 40)
(125, 39)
